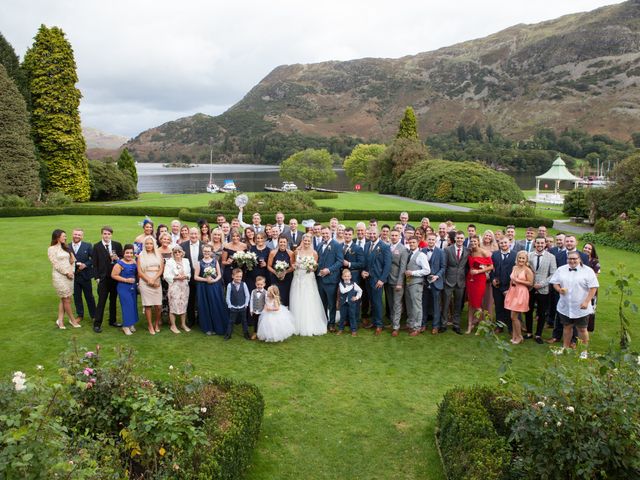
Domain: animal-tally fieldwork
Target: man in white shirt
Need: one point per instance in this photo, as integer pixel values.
(441, 241)
(175, 233)
(576, 284)
(280, 225)
(417, 268)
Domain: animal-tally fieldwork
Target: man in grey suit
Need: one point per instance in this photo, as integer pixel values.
(394, 288)
(417, 268)
(282, 227)
(455, 261)
(543, 265)
(294, 237)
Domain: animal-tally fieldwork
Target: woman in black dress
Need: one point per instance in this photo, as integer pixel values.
(262, 252)
(282, 279)
(228, 264)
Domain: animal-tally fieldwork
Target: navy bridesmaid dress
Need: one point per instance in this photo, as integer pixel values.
(213, 314)
(283, 285)
(258, 271)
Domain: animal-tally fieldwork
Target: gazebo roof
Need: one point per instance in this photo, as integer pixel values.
(558, 171)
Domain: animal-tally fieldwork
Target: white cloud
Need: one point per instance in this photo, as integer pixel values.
(142, 63)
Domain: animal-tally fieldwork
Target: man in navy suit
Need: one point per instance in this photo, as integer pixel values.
(353, 256)
(471, 232)
(330, 258)
(83, 252)
(434, 285)
(503, 261)
(294, 237)
(378, 266)
(105, 254)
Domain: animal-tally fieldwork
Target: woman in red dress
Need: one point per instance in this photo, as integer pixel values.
(479, 264)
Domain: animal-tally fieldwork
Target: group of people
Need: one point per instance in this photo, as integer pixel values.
(280, 281)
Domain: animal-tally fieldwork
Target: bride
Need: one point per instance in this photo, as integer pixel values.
(309, 317)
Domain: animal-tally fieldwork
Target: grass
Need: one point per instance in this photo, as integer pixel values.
(336, 407)
(375, 201)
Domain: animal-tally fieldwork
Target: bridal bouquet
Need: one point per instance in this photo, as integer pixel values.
(281, 266)
(245, 259)
(308, 264)
(209, 271)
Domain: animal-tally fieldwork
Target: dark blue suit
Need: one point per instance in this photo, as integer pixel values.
(431, 294)
(502, 273)
(355, 256)
(82, 279)
(378, 259)
(561, 257)
(332, 259)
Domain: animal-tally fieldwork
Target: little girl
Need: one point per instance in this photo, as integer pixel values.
(276, 323)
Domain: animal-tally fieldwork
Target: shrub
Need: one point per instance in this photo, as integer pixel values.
(517, 210)
(110, 183)
(57, 199)
(471, 447)
(448, 181)
(609, 240)
(582, 421)
(102, 420)
(575, 204)
(14, 201)
(264, 202)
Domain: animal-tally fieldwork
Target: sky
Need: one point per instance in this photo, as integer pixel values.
(142, 63)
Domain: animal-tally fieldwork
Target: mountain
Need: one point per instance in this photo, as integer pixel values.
(580, 70)
(101, 144)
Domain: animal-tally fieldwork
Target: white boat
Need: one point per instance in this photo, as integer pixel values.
(211, 186)
(289, 187)
(229, 186)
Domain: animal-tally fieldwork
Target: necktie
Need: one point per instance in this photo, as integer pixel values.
(108, 247)
(528, 246)
(441, 243)
(293, 236)
(504, 256)
(76, 246)
(538, 262)
(459, 253)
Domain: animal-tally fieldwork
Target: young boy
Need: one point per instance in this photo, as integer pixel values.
(349, 295)
(237, 301)
(256, 304)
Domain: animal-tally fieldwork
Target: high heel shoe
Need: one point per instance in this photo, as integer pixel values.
(151, 331)
(185, 328)
(75, 323)
(174, 329)
(127, 331)
(60, 324)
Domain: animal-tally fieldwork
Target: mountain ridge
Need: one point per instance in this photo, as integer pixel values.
(580, 70)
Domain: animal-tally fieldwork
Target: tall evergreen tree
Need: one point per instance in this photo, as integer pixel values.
(18, 164)
(55, 119)
(127, 164)
(11, 63)
(408, 126)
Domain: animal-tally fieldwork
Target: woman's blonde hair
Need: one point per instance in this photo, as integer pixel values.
(144, 256)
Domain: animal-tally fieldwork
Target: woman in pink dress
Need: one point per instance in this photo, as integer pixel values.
(479, 264)
(517, 298)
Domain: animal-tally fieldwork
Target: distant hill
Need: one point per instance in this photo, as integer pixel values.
(101, 144)
(580, 70)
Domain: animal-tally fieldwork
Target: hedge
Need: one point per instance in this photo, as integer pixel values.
(472, 435)
(319, 216)
(232, 430)
(609, 240)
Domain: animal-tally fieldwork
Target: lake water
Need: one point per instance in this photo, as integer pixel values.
(153, 177)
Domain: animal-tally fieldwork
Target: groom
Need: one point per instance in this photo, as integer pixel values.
(330, 258)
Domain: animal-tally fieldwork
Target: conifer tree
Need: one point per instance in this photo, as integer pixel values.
(408, 126)
(11, 63)
(55, 119)
(18, 164)
(127, 164)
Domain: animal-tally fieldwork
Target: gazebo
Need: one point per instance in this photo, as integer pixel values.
(558, 173)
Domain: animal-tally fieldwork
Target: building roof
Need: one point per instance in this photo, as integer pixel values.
(558, 171)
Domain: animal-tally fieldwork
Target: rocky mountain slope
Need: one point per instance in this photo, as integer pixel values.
(580, 70)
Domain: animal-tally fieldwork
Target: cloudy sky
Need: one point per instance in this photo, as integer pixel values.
(145, 62)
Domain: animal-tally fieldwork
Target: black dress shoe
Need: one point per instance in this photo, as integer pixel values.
(539, 341)
(227, 337)
(457, 330)
(97, 329)
(442, 329)
(117, 325)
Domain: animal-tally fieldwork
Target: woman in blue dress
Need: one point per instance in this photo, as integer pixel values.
(212, 309)
(230, 248)
(281, 278)
(124, 272)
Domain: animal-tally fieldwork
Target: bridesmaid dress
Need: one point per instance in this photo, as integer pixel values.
(213, 314)
(283, 285)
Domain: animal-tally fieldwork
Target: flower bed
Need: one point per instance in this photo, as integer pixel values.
(102, 420)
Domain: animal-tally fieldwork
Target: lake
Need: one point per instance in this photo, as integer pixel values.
(153, 177)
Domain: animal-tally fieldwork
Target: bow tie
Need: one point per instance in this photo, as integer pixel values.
(573, 269)
(429, 250)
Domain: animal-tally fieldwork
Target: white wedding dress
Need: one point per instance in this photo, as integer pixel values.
(309, 317)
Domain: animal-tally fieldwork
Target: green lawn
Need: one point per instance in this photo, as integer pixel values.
(375, 201)
(336, 407)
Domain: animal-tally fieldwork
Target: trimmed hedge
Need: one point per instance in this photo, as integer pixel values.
(319, 216)
(232, 430)
(610, 241)
(472, 434)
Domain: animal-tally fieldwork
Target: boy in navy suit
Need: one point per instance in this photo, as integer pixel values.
(237, 300)
(349, 294)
